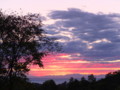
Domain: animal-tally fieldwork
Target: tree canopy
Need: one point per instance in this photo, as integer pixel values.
(22, 42)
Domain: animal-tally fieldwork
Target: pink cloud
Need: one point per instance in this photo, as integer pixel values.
(53, 65)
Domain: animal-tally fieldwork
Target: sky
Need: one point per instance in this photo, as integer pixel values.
(89, 31)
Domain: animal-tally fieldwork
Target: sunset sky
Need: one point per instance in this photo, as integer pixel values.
(89, 31)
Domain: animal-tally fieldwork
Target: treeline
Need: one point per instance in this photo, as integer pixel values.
(110, 82)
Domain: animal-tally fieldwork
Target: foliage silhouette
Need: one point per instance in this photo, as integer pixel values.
(73, 84)
(22, 43)
(49, 85)
(91, 78)
(108, 83)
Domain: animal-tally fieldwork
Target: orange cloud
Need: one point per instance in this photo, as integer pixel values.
(61, 65)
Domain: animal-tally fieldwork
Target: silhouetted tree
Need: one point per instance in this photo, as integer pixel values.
(73, 84)
(91, 78)
(49, 85)
(108, 75)
(62, 86)
(83, 83)
(83, 79)
(22, 43)
(71, 80)
(112, 74)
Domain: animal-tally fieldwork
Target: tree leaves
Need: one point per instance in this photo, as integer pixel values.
(23, 42)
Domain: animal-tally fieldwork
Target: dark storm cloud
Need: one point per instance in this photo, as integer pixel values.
(93, 36)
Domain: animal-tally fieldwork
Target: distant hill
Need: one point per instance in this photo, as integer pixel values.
(60, 78)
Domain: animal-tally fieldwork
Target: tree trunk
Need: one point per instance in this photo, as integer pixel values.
(10, 79)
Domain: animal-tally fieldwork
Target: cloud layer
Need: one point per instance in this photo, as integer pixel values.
(54, 66)
(93, 37)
